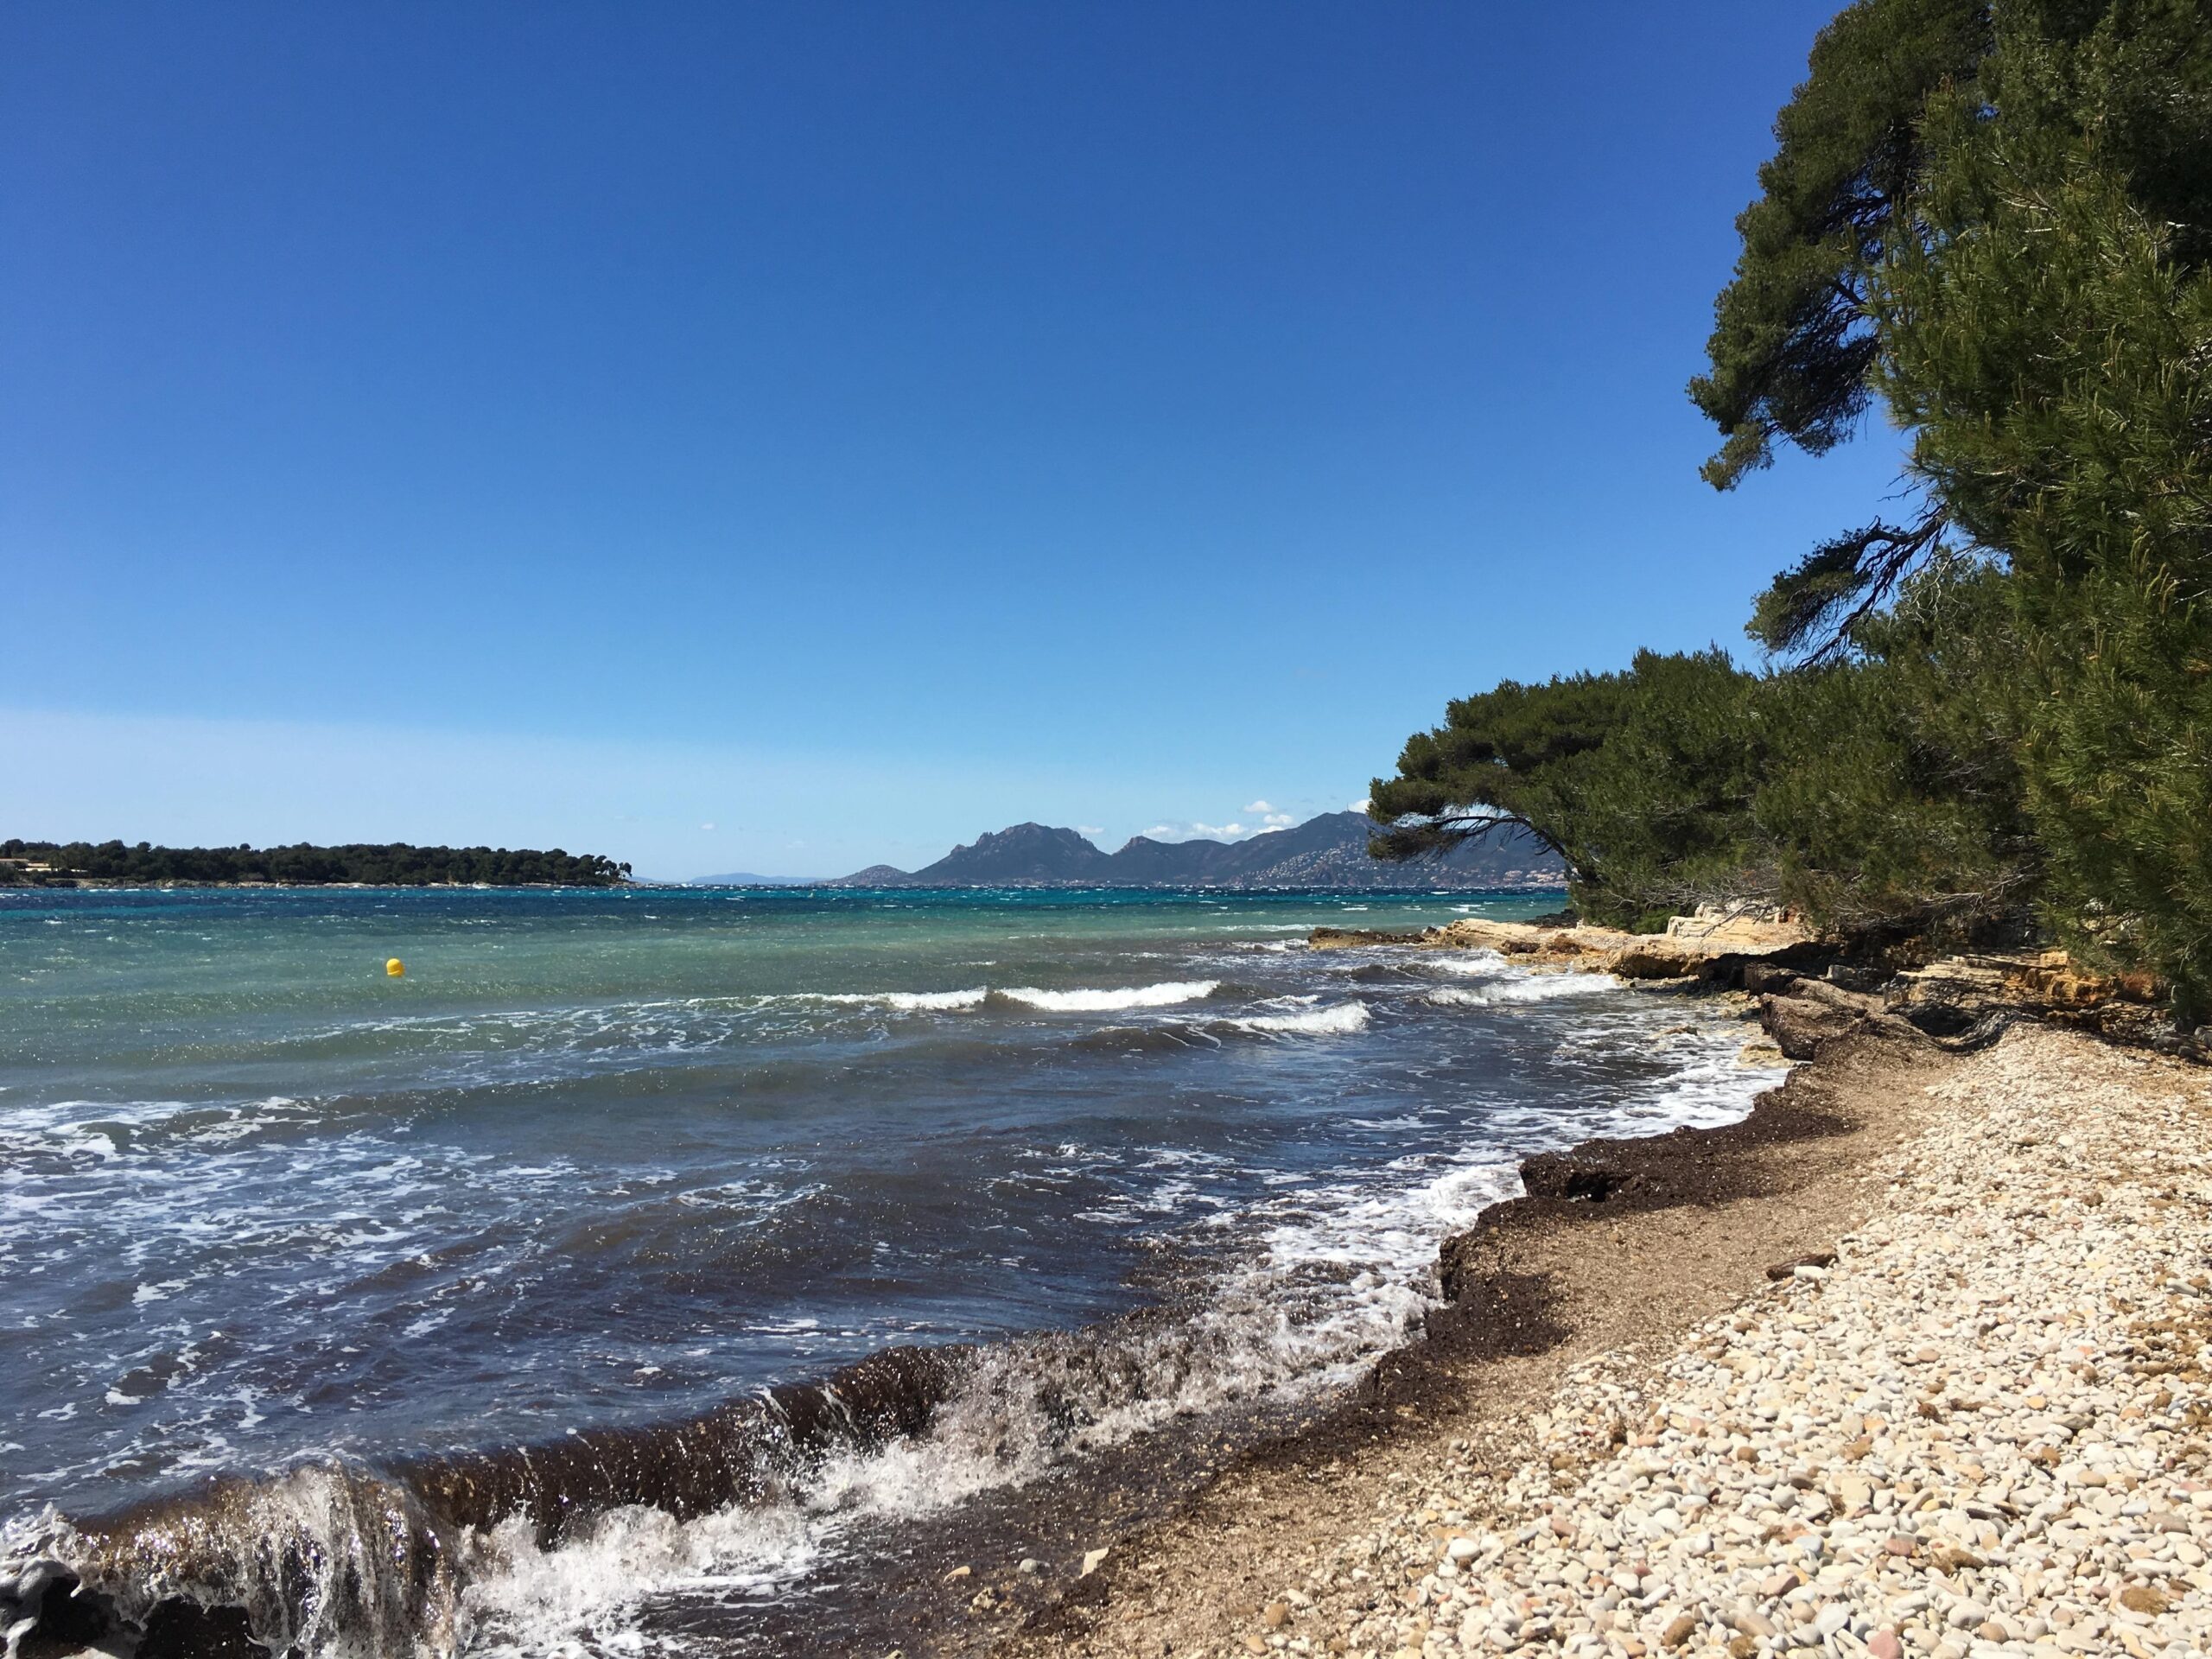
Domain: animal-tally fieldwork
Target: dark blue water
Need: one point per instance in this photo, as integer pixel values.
(618, 1158)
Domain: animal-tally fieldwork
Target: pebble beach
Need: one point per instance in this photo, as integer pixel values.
(1974, 1430)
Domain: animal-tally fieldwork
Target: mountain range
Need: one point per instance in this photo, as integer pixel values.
(1330, 851)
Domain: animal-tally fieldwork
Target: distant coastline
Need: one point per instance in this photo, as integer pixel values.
(1327, 853)
(389, 864)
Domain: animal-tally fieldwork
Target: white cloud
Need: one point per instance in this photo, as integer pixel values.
(1217, 831)
(1259, 809)
(1359, 805)
(1093, 831)
(706, 826)
(1280, 820)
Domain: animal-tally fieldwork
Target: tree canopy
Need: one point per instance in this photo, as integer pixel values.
(1994, 222)
(396, 864)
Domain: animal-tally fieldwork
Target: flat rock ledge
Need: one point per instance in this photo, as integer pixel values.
(1979, 1430)
(1694, 945)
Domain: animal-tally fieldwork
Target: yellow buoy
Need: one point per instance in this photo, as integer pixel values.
(395, 967)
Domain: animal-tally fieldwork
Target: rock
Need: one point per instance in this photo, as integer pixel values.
(1093, 1560)
(2142, 1599)
(1781, 1270)
(959, 1573)
(1679, 1629)
(1656, 960)
(1799, 1025)
(1358, 938)
(1761, 977)
(1030, 1565)
(1276, 1615)
(1883, 1645)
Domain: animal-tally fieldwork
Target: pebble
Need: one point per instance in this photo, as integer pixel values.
(1981, 1432)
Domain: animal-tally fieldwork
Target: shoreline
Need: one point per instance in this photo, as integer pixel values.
(1620, 1244)
(1057, 1519)
(1197, 1536)
(1588, 1450)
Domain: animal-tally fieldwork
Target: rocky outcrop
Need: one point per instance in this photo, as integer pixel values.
(1812, 991)
(1963, 999)
(1658, 959)
(1800, 1026)
(1710, 945)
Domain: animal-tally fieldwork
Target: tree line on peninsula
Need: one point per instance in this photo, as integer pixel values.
(394, 864)
(1993, 223)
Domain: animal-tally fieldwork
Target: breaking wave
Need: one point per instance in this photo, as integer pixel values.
(1537, 988)
(1166, 995)
(514, 1551)
(1082, 999)
(909, 1001)
(1339, 1019)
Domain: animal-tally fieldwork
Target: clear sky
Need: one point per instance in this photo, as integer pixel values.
(785, 436)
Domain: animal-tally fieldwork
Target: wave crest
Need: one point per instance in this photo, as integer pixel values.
(1537, 988)
(1339, 1020)
(1166, 995)
(910, 1002)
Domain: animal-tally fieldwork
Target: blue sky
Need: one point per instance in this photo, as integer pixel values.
(848, 427)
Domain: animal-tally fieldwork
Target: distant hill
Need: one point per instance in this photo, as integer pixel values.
(111, 863)
(1330, 851)
(1029, 853)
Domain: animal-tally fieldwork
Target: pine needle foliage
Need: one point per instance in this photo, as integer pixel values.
(1993, 221)
(2049, 344)
(1878, 794)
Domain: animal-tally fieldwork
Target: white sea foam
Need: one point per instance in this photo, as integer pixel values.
(1536, 988)
(1474, 965)
(527, 1600)
(1339, 1019)
(1083, 1000)
(1166, 995)
(910, 1002)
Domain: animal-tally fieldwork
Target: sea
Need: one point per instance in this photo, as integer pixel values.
(617, 1277)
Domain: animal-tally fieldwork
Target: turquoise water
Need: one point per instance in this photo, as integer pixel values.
(621, 1158)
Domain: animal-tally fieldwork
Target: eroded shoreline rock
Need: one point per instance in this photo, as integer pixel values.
(1712, 943)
